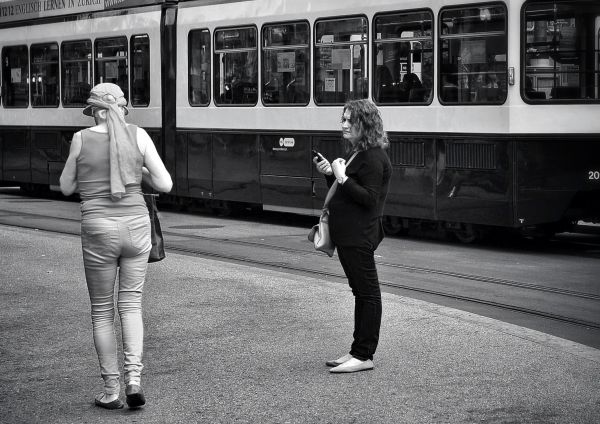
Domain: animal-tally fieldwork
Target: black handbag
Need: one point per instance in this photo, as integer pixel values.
(157, 253)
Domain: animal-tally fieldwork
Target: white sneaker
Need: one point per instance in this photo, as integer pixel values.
(353, 365)
(339, 361)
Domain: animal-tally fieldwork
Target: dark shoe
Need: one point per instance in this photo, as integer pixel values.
(135, 396)
(115, 404)
(339, 361)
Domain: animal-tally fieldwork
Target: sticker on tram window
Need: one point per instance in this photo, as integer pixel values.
(15, 75)
(593, 175)
(329, 84)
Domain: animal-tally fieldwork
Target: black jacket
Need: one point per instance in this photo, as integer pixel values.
(357, 206)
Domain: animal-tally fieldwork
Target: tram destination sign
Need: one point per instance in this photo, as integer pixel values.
(24, 10)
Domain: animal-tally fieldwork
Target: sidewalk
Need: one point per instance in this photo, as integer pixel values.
(227, 343)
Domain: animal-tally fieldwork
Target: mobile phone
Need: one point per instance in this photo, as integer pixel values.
(318, 155)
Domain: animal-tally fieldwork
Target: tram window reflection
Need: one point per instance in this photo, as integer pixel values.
(76, 72)
(44, 75)
(236, 66)
(562, 51)
(140, 70)
(199, 67)
(473, 46)
(15, 76)
(286, 63)
(403, 59)
(340, 60)
(110, 62)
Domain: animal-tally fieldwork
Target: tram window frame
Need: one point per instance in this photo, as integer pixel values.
(388, 85)
(326, 48)
(199, 71)
(240, 80)
(470, 85)
(83, 89)
(7, 72)
(288, 56)
(139, 73)
(122, 79)
(40, 80)
(544, 81)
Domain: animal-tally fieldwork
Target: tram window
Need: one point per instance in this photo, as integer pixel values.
(44, 75)
(140, 70)
(286, 63)
(473, 46)
(199, 63)
(236, 66)
(76, 74)
(562, 52)
(110, 64)
(340, 60)
(15, 76)
(403, 58)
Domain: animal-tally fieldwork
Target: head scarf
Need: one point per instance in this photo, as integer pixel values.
(123, 147)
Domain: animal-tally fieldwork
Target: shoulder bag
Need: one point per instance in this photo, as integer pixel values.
(157, 253)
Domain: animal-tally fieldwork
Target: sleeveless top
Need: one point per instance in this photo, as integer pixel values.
(93, 179)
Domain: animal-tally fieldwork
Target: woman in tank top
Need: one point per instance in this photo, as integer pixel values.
(106, 166)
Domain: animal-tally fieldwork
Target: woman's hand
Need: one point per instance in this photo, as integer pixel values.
(323, 166)
(339, 169)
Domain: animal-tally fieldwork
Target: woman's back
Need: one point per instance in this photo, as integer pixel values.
(93, 178)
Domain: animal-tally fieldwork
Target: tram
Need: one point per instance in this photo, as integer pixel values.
(492, 108)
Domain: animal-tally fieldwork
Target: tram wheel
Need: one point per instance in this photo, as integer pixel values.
(468, 233)
(393, 225)
(543, 232)
(223, 208)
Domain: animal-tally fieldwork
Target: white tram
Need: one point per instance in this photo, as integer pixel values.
(491, 107)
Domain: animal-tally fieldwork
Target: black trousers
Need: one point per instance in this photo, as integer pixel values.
(359, 267)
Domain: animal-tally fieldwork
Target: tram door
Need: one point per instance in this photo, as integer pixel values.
(286, 173)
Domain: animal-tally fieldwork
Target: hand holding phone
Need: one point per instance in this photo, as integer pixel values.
(322, 164)
(318, 155)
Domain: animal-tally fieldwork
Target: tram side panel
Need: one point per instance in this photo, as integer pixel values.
(412, 188)
(57, 162)
(16, 163)
(474, 181)
(45, 147)
(236, 167)
(558, 180)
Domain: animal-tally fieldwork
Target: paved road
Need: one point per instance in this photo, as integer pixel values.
(227, 343)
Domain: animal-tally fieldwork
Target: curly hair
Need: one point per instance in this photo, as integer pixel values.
(365, 115)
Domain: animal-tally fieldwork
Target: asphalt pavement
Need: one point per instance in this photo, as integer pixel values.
(229, 343)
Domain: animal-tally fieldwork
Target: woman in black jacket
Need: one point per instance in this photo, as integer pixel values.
(355, 225)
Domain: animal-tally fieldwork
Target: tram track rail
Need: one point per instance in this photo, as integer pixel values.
(410, 268)
(311, 271)
(319, 273)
